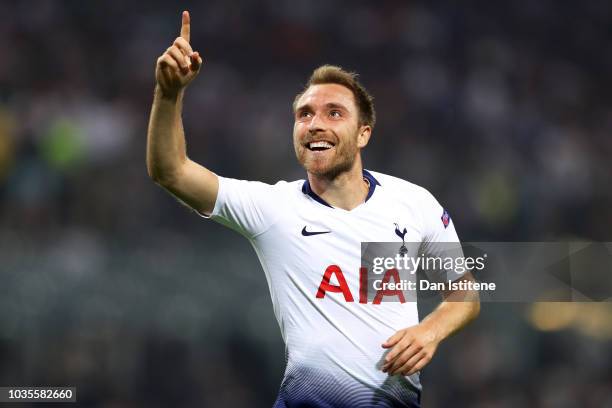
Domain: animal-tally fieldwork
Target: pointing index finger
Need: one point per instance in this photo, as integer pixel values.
(186, 26)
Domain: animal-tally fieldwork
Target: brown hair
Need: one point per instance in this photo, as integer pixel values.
(330, 74)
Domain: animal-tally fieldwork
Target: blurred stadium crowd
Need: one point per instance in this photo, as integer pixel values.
(503, 111)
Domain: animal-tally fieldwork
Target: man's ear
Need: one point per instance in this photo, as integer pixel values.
(363, 137)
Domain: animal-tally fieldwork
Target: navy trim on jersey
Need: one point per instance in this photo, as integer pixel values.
(308, 191)
(373, 183)
(366, 175)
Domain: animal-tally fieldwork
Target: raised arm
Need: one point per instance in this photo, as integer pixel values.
(167, 161)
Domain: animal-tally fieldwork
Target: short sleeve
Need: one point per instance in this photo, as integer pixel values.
(248, 207)
(441, 241)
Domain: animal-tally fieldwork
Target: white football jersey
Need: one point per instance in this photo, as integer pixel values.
(333, 340)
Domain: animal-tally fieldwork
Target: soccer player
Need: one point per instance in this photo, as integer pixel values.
(342, 351)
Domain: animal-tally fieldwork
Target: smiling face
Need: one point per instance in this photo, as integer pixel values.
(327, 136)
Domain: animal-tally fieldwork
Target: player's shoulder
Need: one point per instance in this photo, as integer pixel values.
(278, 185)
(288, 186)
(279, 189)
(257, 187)
(283, 188)
(402, 188)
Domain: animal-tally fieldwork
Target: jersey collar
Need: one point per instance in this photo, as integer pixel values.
(366, 175)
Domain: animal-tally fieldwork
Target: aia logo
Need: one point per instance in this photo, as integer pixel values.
(342, 286)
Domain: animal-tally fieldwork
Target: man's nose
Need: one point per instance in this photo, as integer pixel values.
(316, 124)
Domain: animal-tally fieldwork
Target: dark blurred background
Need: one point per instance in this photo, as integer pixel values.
(502, 111)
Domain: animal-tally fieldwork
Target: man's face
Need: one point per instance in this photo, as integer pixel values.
(326, 135)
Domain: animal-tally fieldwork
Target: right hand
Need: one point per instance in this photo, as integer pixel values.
(179, 65)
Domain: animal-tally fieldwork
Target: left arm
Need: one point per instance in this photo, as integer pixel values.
(412, 348)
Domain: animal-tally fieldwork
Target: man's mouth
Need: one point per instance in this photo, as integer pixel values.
(319, 146)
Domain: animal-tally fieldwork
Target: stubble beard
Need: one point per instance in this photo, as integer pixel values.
(343, 162)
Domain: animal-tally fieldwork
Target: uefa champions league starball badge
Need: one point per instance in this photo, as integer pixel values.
(403, 250)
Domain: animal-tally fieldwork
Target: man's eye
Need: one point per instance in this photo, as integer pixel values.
(304, 114)
(335, 114)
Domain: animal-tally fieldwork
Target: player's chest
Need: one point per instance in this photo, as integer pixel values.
(331, 227)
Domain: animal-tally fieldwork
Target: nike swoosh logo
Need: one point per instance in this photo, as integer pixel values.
(309, 233)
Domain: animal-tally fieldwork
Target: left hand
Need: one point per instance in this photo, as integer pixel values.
(411, 350)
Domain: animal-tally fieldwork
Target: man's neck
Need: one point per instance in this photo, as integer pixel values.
(347, 190)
